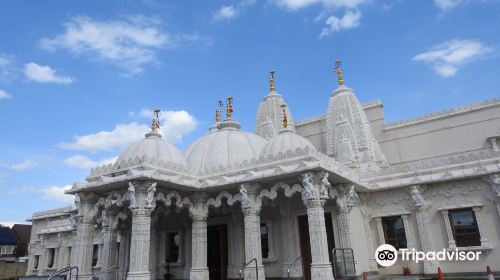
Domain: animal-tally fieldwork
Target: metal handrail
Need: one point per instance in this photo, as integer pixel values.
(62, 270)
(294, 263)
(103, 271)
(256, 268)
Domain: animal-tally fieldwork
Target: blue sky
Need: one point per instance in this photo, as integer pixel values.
(78, 79)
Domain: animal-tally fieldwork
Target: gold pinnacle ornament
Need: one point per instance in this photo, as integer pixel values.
(272, 86)
(339, 72)
(285, 119)
(155, 124)
(229, 107)
(218, 111)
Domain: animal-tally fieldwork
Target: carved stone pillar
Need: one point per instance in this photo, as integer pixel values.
(314, 197)
(346, 198)
(251, 206)
(84, 234)
(199, 214)
(109, 248)
(142, 205)
(287, 239)
(424, 229)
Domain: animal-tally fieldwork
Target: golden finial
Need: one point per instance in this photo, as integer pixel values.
(285, 119)
(339, 72)
(155, 124)
(229, 107)
(272, 86)
(217, 112)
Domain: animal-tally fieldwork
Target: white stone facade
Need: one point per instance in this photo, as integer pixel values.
(345, 173)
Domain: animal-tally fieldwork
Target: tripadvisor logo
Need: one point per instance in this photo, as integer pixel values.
(387, 255)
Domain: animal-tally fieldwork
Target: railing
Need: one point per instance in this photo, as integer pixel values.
(293, 265)
(63, 270)
(103, 271)
(256, 268)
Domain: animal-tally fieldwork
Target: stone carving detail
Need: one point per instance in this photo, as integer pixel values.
(346, 198)
(78, 204)
(417, 198)
(428, 164)
(150, 201)
(494, 181)
(230, 199)
(314, 196)
(179, 201)
(315, 189)
(131, 194)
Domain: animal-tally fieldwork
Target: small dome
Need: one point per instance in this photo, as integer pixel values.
(153, 147)
(284, 142)
(227, 145)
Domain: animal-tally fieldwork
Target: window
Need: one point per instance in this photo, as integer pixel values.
(173, 247)
(6, 249)
(464, 227)
(264, 240)
(394, 231)
(35, 262)
(52, 255)
(95, 255)
(68, 256)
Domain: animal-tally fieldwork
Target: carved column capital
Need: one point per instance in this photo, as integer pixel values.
(250, 204)
(142, 194)
(346, 198)
(199, 210)
(316, 189)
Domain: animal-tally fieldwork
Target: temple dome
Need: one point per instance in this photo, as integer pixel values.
(286, 141)
(224, 147)
(153, 148)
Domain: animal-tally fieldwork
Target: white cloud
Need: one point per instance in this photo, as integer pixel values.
(299, 4)
(83, 162)
(23, 165)
(119, 137)
(446, 58)
(447, 4)
(57, 193)
(4, 95)
(128, 43)
(174, 125)
(226, 12)
(21, 190)
(7, 69)
(44, 74)
(351, 19)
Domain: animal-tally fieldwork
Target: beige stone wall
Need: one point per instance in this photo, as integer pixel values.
(8, 270)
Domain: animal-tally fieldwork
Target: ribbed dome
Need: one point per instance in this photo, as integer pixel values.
(286, 141)
(153, 147)
(224, 147)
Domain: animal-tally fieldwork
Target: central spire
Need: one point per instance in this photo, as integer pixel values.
(339, 72)
(272, 87)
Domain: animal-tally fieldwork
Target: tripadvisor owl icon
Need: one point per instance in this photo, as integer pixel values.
(386, 255)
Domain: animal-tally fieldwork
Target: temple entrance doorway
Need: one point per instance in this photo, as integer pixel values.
(305, 245)
(217, 252)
